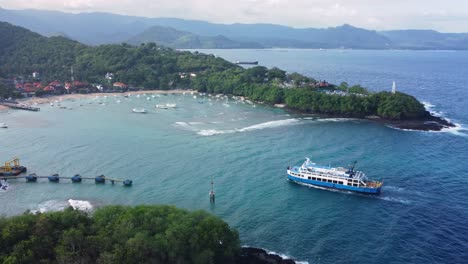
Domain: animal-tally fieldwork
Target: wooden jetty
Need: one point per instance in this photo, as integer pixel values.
(17, 105)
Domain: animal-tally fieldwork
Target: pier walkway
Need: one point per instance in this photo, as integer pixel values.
(75, 179)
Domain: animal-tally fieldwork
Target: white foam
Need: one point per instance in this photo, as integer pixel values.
(212, 132)
(335, 119)
(80, 205)
(56, 205)
(196, 123)
(270, 124)
(393, 199)
(51, 206)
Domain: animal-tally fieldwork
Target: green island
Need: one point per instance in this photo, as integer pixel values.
(120, 234)
(149, 66)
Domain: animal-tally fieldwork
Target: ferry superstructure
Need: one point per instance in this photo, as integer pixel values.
(335, 178)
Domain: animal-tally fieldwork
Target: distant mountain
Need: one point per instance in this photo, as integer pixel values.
(170, 37)
(427, 39)
(102, 28)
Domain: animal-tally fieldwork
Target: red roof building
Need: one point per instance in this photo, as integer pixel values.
(120, 85)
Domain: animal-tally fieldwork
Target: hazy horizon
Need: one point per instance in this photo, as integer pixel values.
(451, 16)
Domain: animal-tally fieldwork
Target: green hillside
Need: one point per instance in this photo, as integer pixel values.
(150, 66)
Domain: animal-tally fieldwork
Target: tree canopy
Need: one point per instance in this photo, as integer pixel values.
(118, 234)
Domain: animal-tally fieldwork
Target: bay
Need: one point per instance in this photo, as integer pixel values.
(172, 155)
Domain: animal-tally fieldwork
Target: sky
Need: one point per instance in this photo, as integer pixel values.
(444, 16)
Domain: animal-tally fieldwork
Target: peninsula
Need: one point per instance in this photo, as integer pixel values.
(31, 64)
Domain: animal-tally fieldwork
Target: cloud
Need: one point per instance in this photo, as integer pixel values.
(448, 15)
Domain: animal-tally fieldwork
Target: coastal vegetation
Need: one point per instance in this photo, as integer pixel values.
(149, 66)
(118, 234)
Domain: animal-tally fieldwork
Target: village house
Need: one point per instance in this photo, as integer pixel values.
(120, 86)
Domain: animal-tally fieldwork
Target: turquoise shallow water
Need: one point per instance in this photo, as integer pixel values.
(172, 155)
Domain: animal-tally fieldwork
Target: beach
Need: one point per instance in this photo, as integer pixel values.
(50, 99)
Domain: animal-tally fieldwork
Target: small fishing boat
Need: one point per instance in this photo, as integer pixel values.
(161, 106)
(171, 105)
(3, 125)
(139, 110)
(333, 178)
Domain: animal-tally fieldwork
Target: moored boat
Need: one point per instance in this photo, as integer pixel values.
(139, 110)
(3, 125)
(334, 178)
(161, 106)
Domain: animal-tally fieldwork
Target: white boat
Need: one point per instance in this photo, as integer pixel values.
(171, 105)
(3, 125)
(51, 104)
(139, 110)
(118, 101)
(334, 178)
(161, 106)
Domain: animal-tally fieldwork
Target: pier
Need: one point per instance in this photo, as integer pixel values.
(17, 105)
(74, 179)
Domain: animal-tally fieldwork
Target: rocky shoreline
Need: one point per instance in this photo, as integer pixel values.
(251, 255)
(428, 123)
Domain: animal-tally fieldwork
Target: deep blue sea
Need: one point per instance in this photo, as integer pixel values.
(172, 155)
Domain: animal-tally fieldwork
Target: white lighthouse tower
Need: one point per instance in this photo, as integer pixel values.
(394, 88)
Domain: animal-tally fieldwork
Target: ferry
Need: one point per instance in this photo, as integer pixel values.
(334, 178)
(247, 62)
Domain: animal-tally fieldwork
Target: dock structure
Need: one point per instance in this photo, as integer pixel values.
(12, 168)
(75, 179)
(17, 105)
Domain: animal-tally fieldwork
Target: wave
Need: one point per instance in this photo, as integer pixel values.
(342, 119)
(394, 199)
(394, 188)
(283, 256)
(212, 132)
(58, 205)
(269, 124)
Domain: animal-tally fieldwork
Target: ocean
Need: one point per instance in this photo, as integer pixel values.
(172, 155)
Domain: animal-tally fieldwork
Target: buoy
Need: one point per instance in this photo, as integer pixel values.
(54, 178)
(212, 193)
(100, 179)
(127, 183)
(31, 178)
(76, 178)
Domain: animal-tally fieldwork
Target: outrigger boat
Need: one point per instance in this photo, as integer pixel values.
(334, 178)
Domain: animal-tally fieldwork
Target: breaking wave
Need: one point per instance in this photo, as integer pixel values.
(58, 205)
(269, 124)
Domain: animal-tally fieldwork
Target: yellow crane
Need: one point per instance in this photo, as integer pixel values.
(8, 167)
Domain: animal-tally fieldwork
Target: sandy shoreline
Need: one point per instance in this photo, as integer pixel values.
(50, 99)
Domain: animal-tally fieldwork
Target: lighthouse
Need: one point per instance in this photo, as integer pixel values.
(394, 88)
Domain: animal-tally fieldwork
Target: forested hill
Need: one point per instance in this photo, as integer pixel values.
(151, 66)
(23, 52)
(173, 38)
